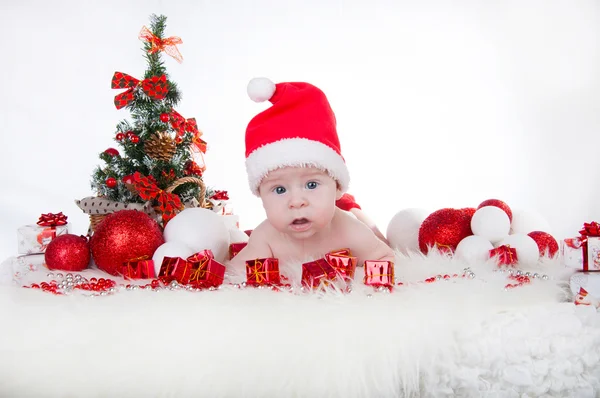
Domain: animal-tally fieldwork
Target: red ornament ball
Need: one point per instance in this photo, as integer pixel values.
(111, 182)
(112, 152)
(120, 136)
(164, 117)
(128, 179)
(68, 253)
(134, 138)
(497, 203)
(546, 243)
(468, 212)
(444, 229)
(124, 236)
(129, 134)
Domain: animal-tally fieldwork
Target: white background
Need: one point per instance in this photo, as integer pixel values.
(439, 103)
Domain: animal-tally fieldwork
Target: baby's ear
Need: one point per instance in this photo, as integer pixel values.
(338, 193)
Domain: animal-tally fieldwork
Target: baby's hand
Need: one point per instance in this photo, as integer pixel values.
(257, 247)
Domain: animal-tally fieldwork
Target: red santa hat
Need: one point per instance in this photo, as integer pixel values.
(299, 130)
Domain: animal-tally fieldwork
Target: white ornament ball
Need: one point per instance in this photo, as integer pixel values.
(403, 229)
(237, 236)
(170, 249)
(474, 249)
(491, 223)
(525, 221)
(528, 252)
(200, 229)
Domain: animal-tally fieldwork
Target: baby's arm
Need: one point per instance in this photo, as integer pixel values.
(348, 203)
(257, 247)
(364, 244)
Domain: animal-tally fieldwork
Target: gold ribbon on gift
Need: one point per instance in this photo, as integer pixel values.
(200, 273)
(259, 276)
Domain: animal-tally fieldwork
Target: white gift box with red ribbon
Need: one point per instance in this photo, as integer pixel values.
(571, 253)
(585, 287)
(34, 239)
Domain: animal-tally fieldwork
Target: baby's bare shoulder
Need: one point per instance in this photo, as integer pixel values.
(264, 230)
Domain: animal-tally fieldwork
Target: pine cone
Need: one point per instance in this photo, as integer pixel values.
(160, 147)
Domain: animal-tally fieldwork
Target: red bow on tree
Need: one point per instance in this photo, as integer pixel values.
(590, 229)
(220, 195)
(52, 220)
(168, 45)
(182, 125)
(155, 87)
(168, 203)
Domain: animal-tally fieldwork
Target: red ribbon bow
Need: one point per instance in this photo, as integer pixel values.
(590, 229)
(168, 45)
(168, 203)
(155, 87)
(52, 220)
(182, 125)
(220, 195)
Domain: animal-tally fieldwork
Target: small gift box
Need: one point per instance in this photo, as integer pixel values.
(585, 287)
(263, 271)
(34, 238)
(505, 255)
(343, 262)
(139, 268)
(235, 248)
(316, 272)
(571, 252)
(379, 273)
(590, 243)
(198, 270)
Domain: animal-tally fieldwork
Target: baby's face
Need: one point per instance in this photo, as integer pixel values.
(299, 201)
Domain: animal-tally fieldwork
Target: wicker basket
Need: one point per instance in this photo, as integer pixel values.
(95, 219)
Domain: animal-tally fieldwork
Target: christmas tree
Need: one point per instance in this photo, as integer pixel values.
(160, 163)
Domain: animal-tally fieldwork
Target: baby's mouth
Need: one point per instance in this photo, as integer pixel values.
(300, 221)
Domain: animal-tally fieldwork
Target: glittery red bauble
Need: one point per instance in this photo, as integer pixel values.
(546, 242)
(68, 253)
(497, 203)
(111, 182)
(120, 136)
(164, 117)
(444, 229)
(123, 236)
(112, 152)
(134, 138)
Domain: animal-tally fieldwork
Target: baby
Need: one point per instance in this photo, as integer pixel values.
(295, 166)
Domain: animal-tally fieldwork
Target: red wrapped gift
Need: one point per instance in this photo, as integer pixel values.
(168, 267)
(317, 272)
(138, 268)
(343, 262)
(263, 271)
(235, 248)
(506, 255)
(590, 242)
(379, 273)
(200, 270)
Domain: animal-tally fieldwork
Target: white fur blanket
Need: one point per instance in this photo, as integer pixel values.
(464, 337)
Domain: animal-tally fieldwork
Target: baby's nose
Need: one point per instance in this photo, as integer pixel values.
(297, 201)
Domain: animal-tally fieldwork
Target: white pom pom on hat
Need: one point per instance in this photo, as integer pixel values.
(260, 89)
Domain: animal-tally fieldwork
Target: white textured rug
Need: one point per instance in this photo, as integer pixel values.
(463, 337)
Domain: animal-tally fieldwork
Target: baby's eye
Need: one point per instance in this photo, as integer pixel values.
(279, 190)
(312, 184)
